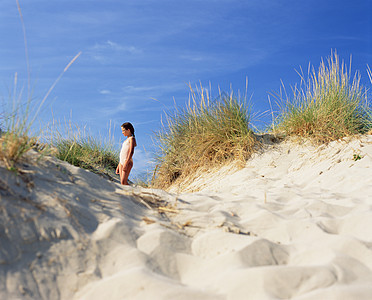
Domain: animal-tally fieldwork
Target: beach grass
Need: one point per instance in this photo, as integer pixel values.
(327, 105)
(369, 73)
(16, 137)
(13, 147)
(17, 115)
(79, 148)
(87, 153)
(82, 150)
(207, 132)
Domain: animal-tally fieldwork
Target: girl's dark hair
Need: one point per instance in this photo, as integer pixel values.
(129, 126)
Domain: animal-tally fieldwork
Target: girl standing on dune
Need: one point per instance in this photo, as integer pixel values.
(126, 153)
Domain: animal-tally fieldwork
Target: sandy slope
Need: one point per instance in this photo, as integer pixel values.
(296, 222)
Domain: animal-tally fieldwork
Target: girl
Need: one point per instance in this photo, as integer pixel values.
(126, 153)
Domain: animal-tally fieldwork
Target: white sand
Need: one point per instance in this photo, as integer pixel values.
(295, 223)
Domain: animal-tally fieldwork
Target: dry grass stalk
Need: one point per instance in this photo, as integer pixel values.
(167, 209)
(148, 220)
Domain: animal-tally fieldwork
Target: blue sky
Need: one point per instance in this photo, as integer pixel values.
(136, 51)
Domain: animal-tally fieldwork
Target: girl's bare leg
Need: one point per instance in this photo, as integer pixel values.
(121, 173)
(124, 174)
(127, 171)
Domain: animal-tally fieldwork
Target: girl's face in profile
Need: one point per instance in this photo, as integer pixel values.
(126, 132)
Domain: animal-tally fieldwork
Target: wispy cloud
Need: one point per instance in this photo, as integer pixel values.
(112, 46)
(109, 51)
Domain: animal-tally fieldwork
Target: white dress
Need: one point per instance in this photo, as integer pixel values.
(124, 151)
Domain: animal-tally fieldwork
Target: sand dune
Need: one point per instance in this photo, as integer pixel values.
(295, 223)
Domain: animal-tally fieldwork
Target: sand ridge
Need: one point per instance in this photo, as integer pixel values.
(295, 223)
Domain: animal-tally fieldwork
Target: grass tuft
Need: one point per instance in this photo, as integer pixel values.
(328, 105)
(82, 150)
(15, 133)
(205, 133)
(87, 154)
(13, 146)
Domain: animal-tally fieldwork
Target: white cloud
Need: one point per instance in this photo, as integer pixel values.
(105, 92)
